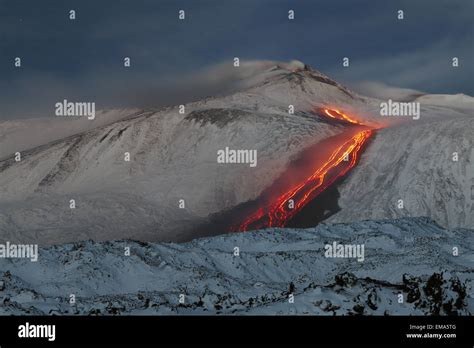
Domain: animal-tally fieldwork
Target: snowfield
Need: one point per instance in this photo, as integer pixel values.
(413, 162)
(409, 256)
(21, 135)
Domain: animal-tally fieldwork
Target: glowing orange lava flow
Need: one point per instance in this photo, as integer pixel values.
(336, 114)
(342, 159)
(291, 202)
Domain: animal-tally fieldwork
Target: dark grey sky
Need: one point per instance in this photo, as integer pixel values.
(83, 59)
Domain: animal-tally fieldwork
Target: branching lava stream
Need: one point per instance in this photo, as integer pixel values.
(343, 158)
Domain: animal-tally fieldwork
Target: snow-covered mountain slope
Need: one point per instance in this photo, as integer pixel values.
(455, 101)
(415, 162)
(173, 156)
(409, 256)
(47, 218)
(20, 135)
(306, 88)
(261, 85)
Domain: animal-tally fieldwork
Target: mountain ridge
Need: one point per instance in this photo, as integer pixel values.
(271, 264)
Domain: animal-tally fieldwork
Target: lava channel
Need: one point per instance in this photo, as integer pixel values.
(342, 159)
(338, 115)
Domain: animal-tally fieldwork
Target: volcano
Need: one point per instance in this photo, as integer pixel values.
(173, 182)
